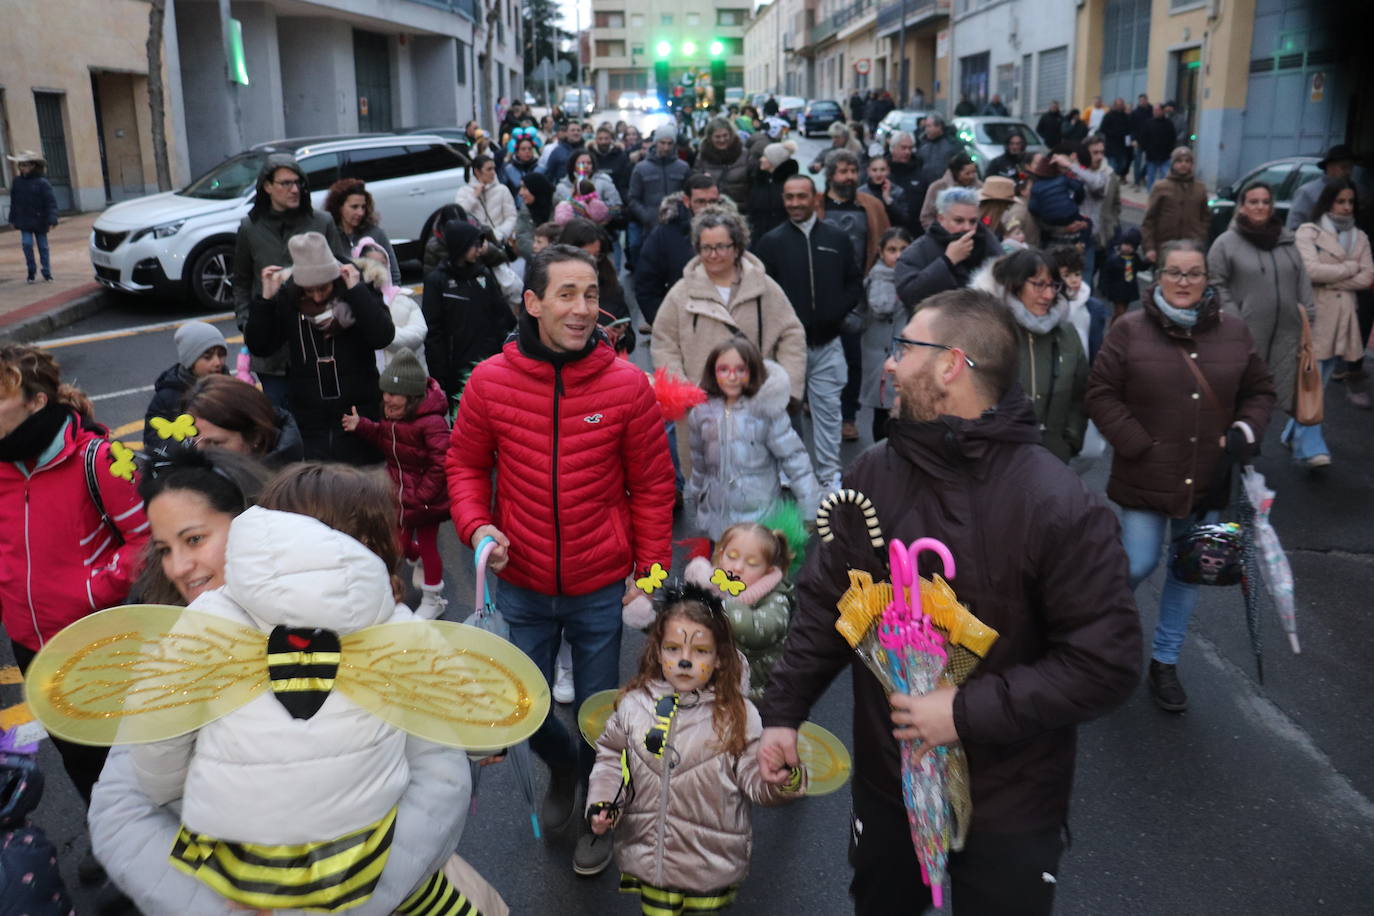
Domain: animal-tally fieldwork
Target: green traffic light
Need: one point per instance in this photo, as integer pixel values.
(717, 49)
(664, 49)
(689, 48)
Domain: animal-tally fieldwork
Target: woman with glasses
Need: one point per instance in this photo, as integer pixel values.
(1054, 368)
(1180, 393)
(724, 292)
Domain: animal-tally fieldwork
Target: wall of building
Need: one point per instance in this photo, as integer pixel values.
(1008, 31)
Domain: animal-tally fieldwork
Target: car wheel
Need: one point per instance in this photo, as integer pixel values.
(211, 277)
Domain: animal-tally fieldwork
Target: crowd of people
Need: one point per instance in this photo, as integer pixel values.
(990, 323)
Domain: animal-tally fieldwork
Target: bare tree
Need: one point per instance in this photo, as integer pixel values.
(489, 22)
(157, 101)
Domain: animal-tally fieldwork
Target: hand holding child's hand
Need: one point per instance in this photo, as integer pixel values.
(350, 420)
(602, 822)
(778, 754)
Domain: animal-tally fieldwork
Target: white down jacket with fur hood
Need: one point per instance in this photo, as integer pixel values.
(258, 775)
(738, 454)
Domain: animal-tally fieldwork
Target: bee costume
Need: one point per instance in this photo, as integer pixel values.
(277, 709)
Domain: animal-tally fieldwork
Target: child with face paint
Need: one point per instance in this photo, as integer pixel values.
(760, 615)
(677, 768)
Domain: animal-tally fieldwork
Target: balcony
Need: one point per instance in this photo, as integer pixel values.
(918, 12)
(466, 8)
(837, 20)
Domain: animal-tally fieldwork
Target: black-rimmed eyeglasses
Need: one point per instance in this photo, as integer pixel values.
(899, 345)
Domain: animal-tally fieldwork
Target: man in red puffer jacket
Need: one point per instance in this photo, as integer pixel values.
(583, 497)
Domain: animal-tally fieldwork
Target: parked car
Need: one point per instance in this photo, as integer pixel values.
(899, 119)
(578, 101)
(650, 102)
(986, 138)
(628, 101)
(734, 95)
(1285, 176)
(820, 114)
(185, 239)
(789, 107)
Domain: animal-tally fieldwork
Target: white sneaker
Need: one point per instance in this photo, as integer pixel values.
(433, 603)
(563, 684)
(417, 573)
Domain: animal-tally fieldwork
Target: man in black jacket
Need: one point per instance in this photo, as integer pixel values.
(1158, 141)
(1008, 165)
(814, 264)
(668, 248)
(904, 171)
(952, 249)
(962, 459)
(467, 314)
(1116, 130)
(1050, 127)
(608, 157)
(1140, 117)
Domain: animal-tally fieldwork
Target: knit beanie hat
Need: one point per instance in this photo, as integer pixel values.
(665, 132)
(778, 153)
(194, 338)
(404, 375)
(312, 263)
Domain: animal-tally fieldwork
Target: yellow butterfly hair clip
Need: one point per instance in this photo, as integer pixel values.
(653, 581)
(180, 429)
(727, 582)
(123, 463)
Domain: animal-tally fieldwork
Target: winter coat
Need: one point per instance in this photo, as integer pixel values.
(935, 155)
(688, 827)
(1053, 373)
(616, 163)
(1106, 215)
(1054, 201)
(729, 167)
(876, 212)
(923, 270)
(817, 273)
(765, 209)
(258, 775)
(1088, 315)
(1140, 117)
(759, 618)
(884, 317)
(168, 391)
(290, 448)
(928, 209)
(605, 189)
(490, 205)
(33, 205)
(514, 171)
(415, 450)
(1335, 276)
(584, 481)
(406, 316)
(653, 179)
(58, 560)
(468, 320)
(738, 453)
(556, 165)
(664, 255)
(1121, 278)
(322, 391)
(1266, 289)
(1177, 210)
(896, 208)
(1006, 165)
(589, 207)
(1050, 127)
(30, 881)
(524, 234)
(907, 176)
(1115, 128)
(378, 237)
(1162, 427)
(692, 321)
(1159, 139)
(1069, 647)
(1020, 213)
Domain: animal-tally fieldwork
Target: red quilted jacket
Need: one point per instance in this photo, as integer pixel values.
(414, 451)
(584, 483)
(58, 560)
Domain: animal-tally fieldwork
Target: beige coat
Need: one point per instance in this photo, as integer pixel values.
(692, 320)
(1335, 277)
(689, 826)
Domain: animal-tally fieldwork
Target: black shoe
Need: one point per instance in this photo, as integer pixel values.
(47, 278)
(1165, 687)
(90, 871)
(560, 802)
(593, 853)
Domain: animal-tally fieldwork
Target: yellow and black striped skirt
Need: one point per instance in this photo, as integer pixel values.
(655, 901)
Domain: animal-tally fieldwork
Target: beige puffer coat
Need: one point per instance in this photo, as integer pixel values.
(1335, 277)
(692, 321)
(688, 827)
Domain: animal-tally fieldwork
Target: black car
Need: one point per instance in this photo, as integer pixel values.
(820, 114)
(1285, 176)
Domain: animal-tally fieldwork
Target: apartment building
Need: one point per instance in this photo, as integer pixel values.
(628, 38)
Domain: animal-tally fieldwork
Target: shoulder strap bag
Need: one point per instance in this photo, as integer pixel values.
(1308, 406)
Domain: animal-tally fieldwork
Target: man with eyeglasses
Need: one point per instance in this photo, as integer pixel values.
(281, 209)
(1038, 560)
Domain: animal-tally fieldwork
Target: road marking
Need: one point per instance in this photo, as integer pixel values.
(59, 342)
(126, 429)
(120, 394)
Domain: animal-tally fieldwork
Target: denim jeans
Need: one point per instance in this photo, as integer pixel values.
(826, 374)
(1121, 163)
(1143, 535)
(1139, 165)
(26, 240)
(1308, 441)
(591, 625)
(1155, 171)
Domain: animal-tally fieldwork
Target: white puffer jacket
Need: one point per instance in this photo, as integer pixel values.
(490, 205)
(258, 775)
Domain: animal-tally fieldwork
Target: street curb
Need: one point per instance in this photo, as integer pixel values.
(36, 321)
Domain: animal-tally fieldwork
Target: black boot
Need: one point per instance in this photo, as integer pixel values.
(1165, 687)
(560, 801)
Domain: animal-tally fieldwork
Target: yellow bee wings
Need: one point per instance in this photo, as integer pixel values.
(142, 673)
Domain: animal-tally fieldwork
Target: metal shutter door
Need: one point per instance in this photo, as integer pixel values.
(1052, 78)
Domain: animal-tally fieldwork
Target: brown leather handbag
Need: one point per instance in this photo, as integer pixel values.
(1307, 396)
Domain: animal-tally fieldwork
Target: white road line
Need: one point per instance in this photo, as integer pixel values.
(119, 394)
(57, 342)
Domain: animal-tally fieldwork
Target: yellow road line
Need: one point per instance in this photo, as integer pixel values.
(9, 674)
(127, 428)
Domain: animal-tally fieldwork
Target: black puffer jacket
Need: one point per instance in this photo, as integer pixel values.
(923, 270)
(819, 274)
(467, 315)
(766, 211)
(169, 389)
(1039, 560)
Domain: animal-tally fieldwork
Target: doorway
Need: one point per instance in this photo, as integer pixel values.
(372, 73)
(52, 133)
(116, 123)
(1187, 66)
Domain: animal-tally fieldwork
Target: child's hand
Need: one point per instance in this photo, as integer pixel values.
(350, 420)
(603, 821)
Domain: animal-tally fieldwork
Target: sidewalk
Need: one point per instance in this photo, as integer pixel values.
(28, 311)
(1132, 198)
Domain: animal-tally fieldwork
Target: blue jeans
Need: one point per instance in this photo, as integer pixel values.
(1142, 534)
(1139, 165)
(591, 625)
(1308, 441)
(1155, 171)
(671, 429)
(26, 240)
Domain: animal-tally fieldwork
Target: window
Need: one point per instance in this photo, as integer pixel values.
(1308, 171)
(733, 46)
(462, 62)
(607, 19)
(385, 162)
(694, 19)
(637, 50)
(731, 17)
(665, 19)
(636, 20)
(320, 171)
(610, 49)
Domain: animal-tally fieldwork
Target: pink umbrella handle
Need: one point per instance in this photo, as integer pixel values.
(905, 588)
(940, 550)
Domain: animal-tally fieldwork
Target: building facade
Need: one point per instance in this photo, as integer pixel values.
(777, 49)
(1019, 50)
(627, 36)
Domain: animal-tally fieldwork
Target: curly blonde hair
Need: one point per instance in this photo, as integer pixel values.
(31, 372)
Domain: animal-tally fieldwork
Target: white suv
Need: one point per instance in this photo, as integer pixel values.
(186, 238)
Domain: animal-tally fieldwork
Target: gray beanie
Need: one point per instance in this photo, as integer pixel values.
(194, 338)
(312, 263)
(404, 375)
(665, 132)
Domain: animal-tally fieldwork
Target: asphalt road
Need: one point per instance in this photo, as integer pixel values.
(1256, 801)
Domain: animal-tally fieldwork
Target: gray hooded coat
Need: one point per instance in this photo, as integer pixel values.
(738, 454)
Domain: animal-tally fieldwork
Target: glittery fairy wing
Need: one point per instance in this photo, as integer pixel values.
(144, 672)
(449, 683)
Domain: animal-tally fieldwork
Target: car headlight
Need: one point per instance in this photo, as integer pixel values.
(162, 231)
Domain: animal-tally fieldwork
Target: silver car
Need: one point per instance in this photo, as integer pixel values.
(986, 138)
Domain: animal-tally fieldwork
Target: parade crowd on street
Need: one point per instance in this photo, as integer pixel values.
(996, 319)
